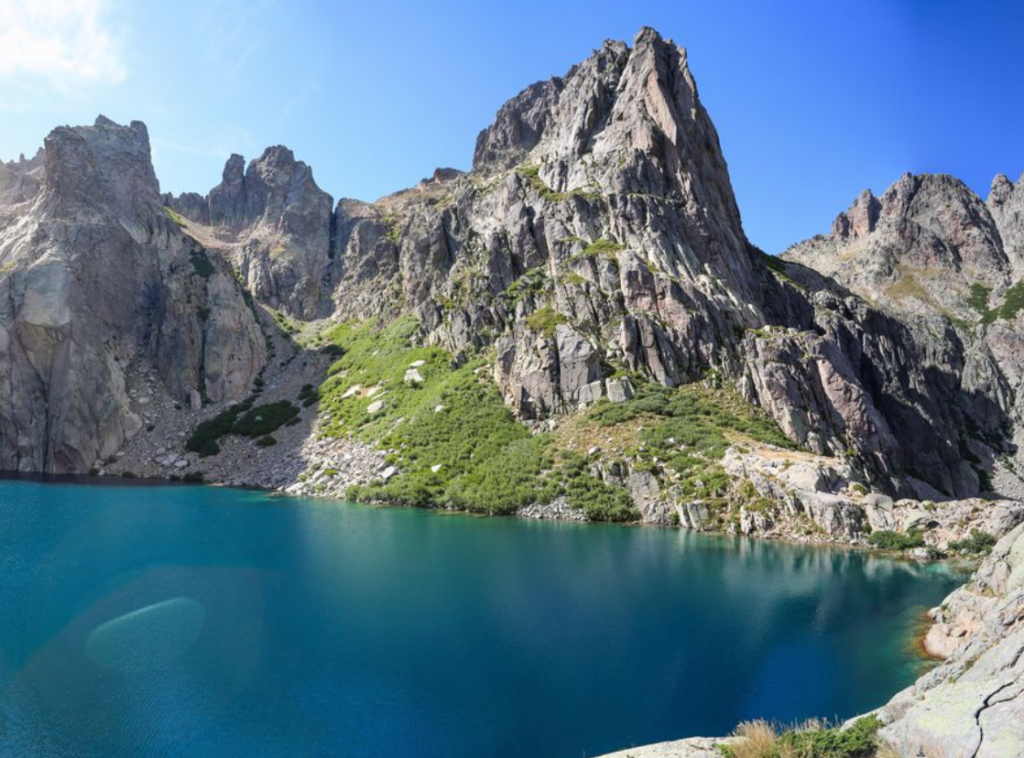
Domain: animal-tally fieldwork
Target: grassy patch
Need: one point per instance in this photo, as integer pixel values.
(453, 420)
(532, 176)
(774, 263)
(888, 540)
(176, 217)
(978, 543)
(759, 739)
(601, 246)
(452, 439)
(684, 433)
(978, 300)
(1013, 302)
(545, 320)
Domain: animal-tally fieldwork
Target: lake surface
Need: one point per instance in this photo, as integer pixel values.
(195, 621)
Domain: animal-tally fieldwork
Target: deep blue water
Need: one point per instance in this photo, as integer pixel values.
(193, 621)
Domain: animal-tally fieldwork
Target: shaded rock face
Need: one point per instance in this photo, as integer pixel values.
(274, 223)
(946, 266)
(96, 280)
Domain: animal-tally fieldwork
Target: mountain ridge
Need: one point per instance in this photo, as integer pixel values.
(576, 328)
(608, 191)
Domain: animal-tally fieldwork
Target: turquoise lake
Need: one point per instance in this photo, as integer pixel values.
(196, 621)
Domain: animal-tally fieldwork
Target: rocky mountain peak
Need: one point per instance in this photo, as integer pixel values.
(273, 221)
(861, 218)
(234, 169)
(918, 247)
(518, 126)
(1006, 204)
(20, 179)
(105, 165)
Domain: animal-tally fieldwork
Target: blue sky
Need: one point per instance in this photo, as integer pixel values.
(814, 101)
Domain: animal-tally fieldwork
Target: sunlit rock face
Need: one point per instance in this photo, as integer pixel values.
(599, 214)
(95, 281)
(273, 223)
(596, 234)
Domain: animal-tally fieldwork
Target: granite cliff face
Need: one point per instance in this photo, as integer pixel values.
(273, 223)
(597, 236)
(598, 233)
(932, 255)
(96, 281)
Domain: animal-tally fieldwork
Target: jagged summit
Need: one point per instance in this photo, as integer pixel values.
(923, 245)
(597, 236)
(95, 278)
(106, 164)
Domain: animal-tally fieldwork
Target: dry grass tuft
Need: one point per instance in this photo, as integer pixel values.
(755, 739)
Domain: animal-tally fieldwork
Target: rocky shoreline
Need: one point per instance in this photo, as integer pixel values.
(781, 494)
(971, 704)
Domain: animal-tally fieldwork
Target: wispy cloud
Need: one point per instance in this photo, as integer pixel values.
(67, 43)
(233, 31)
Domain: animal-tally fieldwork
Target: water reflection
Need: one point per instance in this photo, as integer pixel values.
(145, 622)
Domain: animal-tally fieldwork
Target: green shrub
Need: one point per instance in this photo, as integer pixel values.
(308, 395)
(201, 263)
(489, 462)
(1013, 301)
(266, 441)
(978, 300)
(832, 742)
(241, 419)
(978, 543)
(530, 284)
(889, 540)
(545, 320)
(599, 500)
(759, 739)
(684, 431)
(264, 419)
(602, 246)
